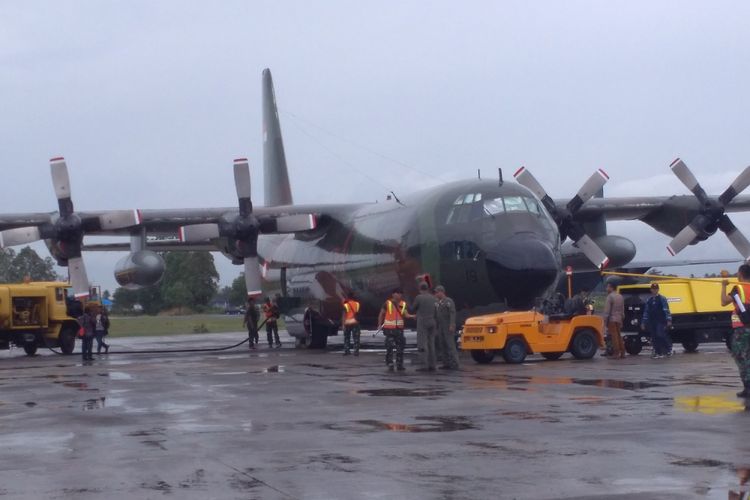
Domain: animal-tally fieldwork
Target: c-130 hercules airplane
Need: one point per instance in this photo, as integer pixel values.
(494, 245)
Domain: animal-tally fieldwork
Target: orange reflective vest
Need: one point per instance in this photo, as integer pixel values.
(351, 308)
(743, 289)
(394, 315)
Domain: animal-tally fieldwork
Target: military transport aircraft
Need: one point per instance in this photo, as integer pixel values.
(493, 244)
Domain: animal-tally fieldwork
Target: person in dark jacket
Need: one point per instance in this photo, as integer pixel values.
(658, 320)
(88, 324)
(251, 322)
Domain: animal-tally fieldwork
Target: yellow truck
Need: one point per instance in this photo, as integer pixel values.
(516, 334)
(36, 314)
(695, 304)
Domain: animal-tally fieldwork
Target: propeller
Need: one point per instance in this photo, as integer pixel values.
(711, 215)
(243, 228)
(565, 216)
(66, 229)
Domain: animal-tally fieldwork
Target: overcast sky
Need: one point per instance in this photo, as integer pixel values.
(150, 101)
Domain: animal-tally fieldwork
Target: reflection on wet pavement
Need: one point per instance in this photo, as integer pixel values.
(431, 424)
(404, 392)
(710, 404)
(617, 384)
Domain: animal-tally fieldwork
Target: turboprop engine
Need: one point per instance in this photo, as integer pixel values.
(138, 269)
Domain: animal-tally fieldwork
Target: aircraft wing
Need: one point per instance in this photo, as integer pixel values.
(666, 214)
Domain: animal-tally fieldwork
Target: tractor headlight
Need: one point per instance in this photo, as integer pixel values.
(491, 329)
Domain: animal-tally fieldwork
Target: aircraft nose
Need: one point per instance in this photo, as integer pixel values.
(522, 268)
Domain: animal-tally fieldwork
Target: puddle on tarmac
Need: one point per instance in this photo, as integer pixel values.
(404, 392)
(120, 376)
(324, 367)
(274, 369)
(616, 384)
(30, 404)
(427, 424)
(713, 404)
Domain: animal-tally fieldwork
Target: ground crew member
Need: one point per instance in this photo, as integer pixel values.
(351, 324)
(251, 322)
(445, 315)
(88, 325)
(392, 316)
(614, 313)
(658, 319)
(424, 308)
(741, 337)
(271, 313)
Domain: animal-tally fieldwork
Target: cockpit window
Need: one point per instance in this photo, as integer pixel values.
(473, 206)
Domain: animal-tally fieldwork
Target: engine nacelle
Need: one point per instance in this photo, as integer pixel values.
(139, 269)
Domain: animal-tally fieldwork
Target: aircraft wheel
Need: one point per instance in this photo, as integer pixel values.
(552, 356)
(584, 344)
(481, 356)
(514, 351)
(633, 344)
(30, 348)
(67, 339)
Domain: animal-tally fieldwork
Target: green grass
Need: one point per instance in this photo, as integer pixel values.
(143, 326)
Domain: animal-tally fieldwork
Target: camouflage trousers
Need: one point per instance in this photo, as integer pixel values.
(394, 338)
(741, 352)
(349, 332)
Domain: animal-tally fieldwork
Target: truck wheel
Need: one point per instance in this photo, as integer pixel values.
(552, 356)
(29, 348)
(584, 344)
(67, 339)
(481, 356)
(690, 345)
(633, 344)
(514, 351)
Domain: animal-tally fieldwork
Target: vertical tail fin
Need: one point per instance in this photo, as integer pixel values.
(277, 190)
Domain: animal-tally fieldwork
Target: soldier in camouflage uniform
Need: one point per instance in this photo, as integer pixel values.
(445, 312)
(741, 338)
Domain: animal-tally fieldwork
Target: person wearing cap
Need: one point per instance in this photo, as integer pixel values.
(423, 308)
(657, 319)
(614, 313)
(741, 331)
(445, 314)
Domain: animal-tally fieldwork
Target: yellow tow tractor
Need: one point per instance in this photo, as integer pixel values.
(515, 335)
(35, 314)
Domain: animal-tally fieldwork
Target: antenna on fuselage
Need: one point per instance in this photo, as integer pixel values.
(479, 174)
(500, 176)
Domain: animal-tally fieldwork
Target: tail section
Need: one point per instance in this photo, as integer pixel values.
(277, 190)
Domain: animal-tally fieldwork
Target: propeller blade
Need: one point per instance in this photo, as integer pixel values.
(688, 179)
(294, 223)
(78, 277)
(252, 277)
(198, 232)
(589, 189)
(735, 236)
(61, 183)
(592, 251)
(683, 239)
(740, 184)
(524, 178)
(117, 219)
(242, 184)
(19, 236)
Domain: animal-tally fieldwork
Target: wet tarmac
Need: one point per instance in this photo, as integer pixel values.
(295, 424)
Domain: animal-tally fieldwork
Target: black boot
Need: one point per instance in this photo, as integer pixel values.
(744, 393)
